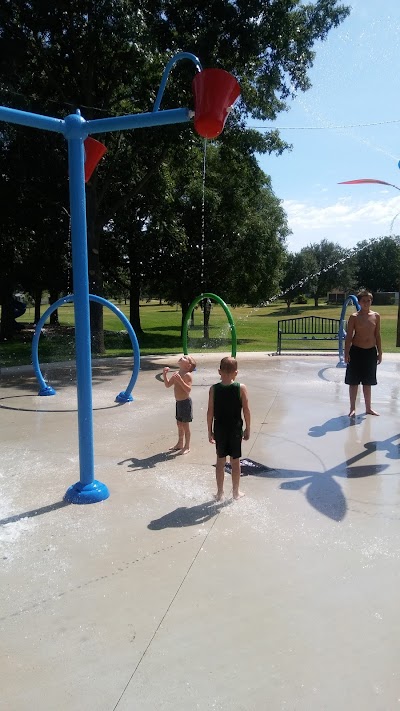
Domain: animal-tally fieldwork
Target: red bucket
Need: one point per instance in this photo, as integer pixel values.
(94, 151)
(214, 90)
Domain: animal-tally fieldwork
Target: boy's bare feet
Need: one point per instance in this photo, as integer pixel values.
(352, 413)
(184, 450)
(372, 412)
(219, 496)
(177, 448)
(238, 495)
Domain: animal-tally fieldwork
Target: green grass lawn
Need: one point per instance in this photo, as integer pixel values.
(256, 331)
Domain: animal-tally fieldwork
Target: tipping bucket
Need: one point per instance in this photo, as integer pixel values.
(214, 90)
(94, 151)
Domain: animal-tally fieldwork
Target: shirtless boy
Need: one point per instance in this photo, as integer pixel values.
(362, 352)
(182, 382)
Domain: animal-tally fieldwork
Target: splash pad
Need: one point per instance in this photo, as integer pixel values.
(326, 500)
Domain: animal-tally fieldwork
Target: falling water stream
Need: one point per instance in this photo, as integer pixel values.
(203, 212)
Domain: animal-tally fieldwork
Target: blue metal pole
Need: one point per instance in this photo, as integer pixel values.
(87, 490)
(121, 123)
(25, 118)
(342, 332)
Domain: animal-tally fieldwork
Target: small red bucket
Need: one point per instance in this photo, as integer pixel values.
(214, 90)
(94, 151)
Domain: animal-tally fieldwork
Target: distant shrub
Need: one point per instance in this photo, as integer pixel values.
(384, 298)
(300, 299)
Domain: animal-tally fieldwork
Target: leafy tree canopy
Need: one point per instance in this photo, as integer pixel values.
(106, 57)
(377, 264)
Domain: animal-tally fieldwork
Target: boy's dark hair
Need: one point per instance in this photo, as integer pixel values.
(364, 292)
(228, 364)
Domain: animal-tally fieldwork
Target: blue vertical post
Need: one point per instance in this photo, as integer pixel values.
(87, 490)
(342, 332)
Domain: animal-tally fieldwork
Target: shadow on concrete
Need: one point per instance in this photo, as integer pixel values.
(321, 373)
(160, 376)
(34, 512)
(391, 446)
(322, 491)
(42, 409)
(187, 516)
(149, 462)
(335, 424)
(61, 375)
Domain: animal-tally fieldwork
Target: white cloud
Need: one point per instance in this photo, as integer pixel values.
(345, 221)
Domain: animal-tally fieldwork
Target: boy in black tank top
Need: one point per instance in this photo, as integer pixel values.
(227, 401)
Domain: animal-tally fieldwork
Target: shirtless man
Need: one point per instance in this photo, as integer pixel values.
(362, 352)
(182, 382)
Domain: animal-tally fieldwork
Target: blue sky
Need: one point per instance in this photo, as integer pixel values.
(355, 80)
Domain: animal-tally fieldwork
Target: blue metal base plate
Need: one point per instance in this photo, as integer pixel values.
(48, 390)
(123, 397)
(86, 494)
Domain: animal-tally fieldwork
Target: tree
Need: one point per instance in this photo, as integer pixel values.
(35, 221)
(236, 247)
(377, 264)
(293, 280)
(377, 267)
(107, 58)
(329, 267)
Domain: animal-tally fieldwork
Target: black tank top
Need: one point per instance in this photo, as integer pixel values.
(227, 404)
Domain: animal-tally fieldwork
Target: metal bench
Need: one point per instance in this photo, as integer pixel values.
(308, 328)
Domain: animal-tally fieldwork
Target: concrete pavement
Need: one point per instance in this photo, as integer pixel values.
(158, 598)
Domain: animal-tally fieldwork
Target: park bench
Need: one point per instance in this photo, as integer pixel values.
(308, 328)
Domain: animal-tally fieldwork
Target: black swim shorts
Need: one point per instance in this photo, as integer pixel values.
(184, 410)
(228, 441)
(362, 366)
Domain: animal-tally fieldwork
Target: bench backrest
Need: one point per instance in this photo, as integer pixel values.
(310, 324)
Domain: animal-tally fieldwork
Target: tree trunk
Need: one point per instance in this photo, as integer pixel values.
(7, 323)
(134, 306)
(316, 301)
(95, 272)
(53, 297)
(37, 297)
(398, 327)
(134, 284)
(206, 319)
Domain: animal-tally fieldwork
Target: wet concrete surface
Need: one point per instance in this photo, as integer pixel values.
(160, 598)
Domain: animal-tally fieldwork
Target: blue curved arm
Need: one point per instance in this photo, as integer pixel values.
(164, 78)
(125, 395)
(342, 332)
